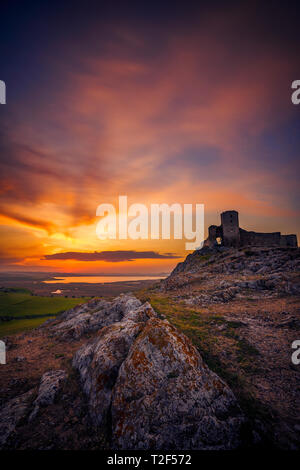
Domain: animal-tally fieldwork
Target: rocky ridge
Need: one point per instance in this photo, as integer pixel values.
(242, 309)
(145, 383)
(119, 374)
(226, 273)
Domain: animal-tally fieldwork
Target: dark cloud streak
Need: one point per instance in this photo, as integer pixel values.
(111, 256)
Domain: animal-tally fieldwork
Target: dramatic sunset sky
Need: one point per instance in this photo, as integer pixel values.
(161, 101)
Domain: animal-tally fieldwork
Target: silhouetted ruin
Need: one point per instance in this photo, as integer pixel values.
(230, 234)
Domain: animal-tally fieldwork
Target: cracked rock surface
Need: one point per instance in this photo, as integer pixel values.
(134, 382)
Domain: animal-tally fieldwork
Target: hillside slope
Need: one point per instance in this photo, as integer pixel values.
(241, 308)
(205, 365)
(130, 380)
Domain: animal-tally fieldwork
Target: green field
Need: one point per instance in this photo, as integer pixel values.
(20, 310)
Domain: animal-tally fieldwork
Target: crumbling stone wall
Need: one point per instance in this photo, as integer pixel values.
(288, 241)
(214, 232)
(259, 239)
(232, 235)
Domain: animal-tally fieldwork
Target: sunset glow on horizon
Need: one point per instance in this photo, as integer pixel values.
(107, 104)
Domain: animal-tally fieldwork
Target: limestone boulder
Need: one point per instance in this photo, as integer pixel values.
(98, 364)
(50, 384)
(98, 361)
(94, 316)
(148, 383)
(12, 414)
(165, 397)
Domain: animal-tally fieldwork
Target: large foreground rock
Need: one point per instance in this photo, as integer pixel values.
(165, 397)
(149, 384)
(12, 414)
(93, 316)
(99, 361)
(51, 382)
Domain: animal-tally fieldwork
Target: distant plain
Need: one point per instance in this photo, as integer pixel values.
(29, 299)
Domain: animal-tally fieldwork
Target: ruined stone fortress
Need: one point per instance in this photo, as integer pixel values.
(231, 235)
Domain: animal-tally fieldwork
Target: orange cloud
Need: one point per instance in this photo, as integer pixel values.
(186, 124)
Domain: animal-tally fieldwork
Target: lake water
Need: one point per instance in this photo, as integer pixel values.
(100, 279)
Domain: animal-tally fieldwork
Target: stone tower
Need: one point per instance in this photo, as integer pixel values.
(230, 228)
(231, 234)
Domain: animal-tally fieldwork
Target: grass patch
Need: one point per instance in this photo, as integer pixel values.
(245, 350)
(16, 290)
(213, 336)
(58, 356)
(18, 326)
(18, 304)
(21, 311)
(204, 257)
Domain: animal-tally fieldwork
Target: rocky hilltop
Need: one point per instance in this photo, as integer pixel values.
(241, 307)
(143, 385)
(205, 365)
(218, 275)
